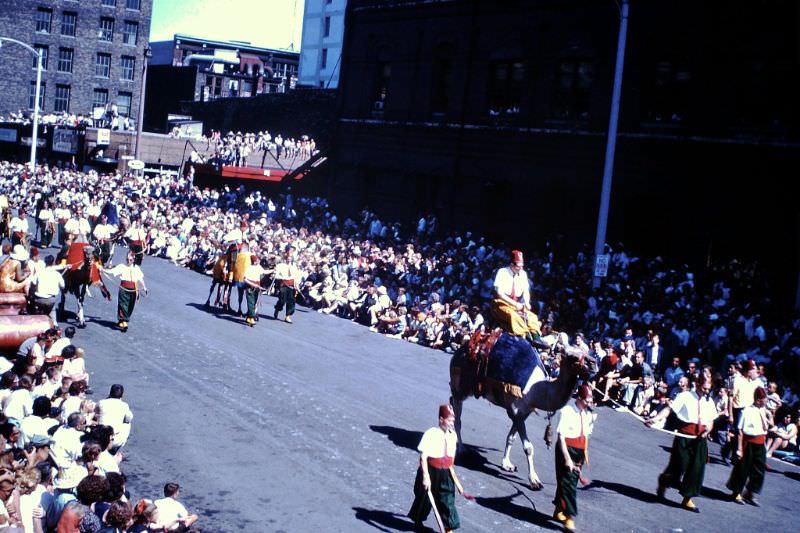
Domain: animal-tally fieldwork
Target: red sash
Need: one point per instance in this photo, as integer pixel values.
(577, 442)
(440, 462)
(754, 439)
(128, 285)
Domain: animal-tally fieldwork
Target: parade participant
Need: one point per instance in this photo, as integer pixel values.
(574, 427)
(218, 279)
(436, 476)
(136, 236)
(747, 475)
(687, 461)
(240, 263)
(19, 228)
(131, 276)
(288, 276)
(102, 235)
(252, 279)
(46, 225)
(62, 215)
(744, 385)
(512, 302)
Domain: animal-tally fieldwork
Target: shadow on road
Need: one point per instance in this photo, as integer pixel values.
(715, 494)
(384, 520)
(110, 324)
(400, 437)
(631, 492)
(505, 505)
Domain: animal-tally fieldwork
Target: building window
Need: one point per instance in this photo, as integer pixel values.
(62, 99)
(32, 95)
(65, 56)
(45, 51)
(505, 89)
(109, 3)
(106, 32)
(440, 99)
(102, 65)
(69, 19)
(128, 64)
(573, 98)
(327, 28)
(100, 98)
(324, 62)
(130, 31)
(124, 103)
(133, 4)
(44, 19)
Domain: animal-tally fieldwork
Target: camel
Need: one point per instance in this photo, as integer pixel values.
(82, 272)
(539, 393)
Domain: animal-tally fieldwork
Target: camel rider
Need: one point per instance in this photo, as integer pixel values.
(574, 427)
(287, 276)
(131, 276)
(512, 303)
(436, 476)
(136, 236)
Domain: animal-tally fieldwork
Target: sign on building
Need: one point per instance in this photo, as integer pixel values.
(103, 137)
(601, 265)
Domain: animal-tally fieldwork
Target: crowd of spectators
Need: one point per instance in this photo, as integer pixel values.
(235, 148)
(433, 289)
(61, 459)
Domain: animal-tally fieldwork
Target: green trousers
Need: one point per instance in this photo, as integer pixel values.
(687, 466)
(252, 301)
(126, 301)
(566, 499)
(444, 494)
(286, 298)
(748, 472)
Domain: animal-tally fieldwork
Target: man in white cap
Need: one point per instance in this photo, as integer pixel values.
(512, 303)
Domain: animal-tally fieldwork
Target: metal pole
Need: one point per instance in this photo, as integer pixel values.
(140, 120)
(611, 144)
(35, 137)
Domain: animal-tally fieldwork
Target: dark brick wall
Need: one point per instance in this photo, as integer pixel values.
(17, 20)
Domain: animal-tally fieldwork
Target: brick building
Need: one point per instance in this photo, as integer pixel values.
(92, 54)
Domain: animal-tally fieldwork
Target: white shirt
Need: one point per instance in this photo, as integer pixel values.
(34, 425)
(436, 443)
(691, 409)
(102, 232)
(49, 283)
(654, 355)
(511, 285)
(19, 404)
(67, 446)
(753, 421)
(574, 423)
(253, 273)
(127, 272)
(169, 510)
(71, 405)
(106, 462)
(115, 413)
(19, 225)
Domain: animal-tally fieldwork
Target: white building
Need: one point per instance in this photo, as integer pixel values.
(321, 49)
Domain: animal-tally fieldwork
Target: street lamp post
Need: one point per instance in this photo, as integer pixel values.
(140, 120)
(611, 143)
(35, 136)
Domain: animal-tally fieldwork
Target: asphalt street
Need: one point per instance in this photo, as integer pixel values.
(313, 427)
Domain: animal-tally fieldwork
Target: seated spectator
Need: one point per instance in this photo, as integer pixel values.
(115, 412)
(782, 436)
(145, 518)
(173, 516)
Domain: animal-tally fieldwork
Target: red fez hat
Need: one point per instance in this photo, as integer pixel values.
(516, 257)
(253, 258)
(243, 224)
(759, 394)
(749, 365)
(584, 392)
(446, 411)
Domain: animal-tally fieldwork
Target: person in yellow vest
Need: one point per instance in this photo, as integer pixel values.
(512, 302)
(744, 385)
(575, 424)
(747, 476)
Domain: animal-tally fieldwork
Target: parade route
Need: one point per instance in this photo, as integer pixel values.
(313, 426)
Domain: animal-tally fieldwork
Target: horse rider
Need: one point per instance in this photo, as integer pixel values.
(131, 276)
(696, 413)
(575, 424)
(287, 276)
(512, 303)
(436, 479)
(136, 236)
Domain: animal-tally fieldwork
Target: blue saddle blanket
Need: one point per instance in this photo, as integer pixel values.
(512, 360)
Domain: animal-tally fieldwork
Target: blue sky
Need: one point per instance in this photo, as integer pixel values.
(268, 23)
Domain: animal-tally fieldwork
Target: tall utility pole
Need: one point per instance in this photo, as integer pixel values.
(139, 122)
(35, 135)
(611, 143)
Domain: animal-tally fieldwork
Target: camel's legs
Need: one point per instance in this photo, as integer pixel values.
(527, 446)
(507, 465)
